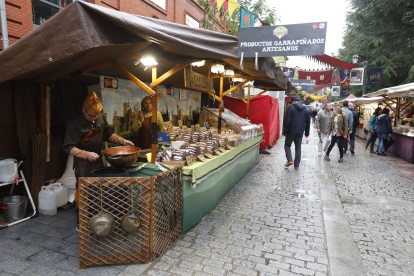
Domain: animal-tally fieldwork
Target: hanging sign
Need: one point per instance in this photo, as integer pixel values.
(357, 76)
(283, 40)
(196, 81)
(375, 75)
(246, 18)
(336, 91)
(304, 85)
(238, 93)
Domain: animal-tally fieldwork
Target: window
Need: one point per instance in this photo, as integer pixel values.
(45, 9)
(159, 3)
(191, 21)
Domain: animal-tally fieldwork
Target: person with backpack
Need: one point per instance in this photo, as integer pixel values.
(372, 125)
(338, 122)
(355, 124)
(383, 129)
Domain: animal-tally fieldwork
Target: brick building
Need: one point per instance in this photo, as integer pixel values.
(25, 15)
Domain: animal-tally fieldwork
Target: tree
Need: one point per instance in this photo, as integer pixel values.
(258, 7)
(387, 28)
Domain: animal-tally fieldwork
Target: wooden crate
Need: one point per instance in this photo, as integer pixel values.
(158, 230)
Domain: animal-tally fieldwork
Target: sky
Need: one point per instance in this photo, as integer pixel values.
(308, 11)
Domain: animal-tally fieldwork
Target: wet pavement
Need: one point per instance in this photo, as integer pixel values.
(327, 218)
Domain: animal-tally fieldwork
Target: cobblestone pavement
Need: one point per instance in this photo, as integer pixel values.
(327, 218)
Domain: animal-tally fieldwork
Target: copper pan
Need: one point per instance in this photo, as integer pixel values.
(121, 157)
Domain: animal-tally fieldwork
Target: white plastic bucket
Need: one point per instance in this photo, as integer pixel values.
(62, 194)
(8, 170)
(47, 201)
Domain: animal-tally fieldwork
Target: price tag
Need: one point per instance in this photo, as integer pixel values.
(201, 158)
(229, 147)
(189, 159)
(217, 152)
(222, 150)
(209, 156)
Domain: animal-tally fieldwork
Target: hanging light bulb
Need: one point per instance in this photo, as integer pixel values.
(238, 79)
(199, 63)
(229, 72)
(217, 68)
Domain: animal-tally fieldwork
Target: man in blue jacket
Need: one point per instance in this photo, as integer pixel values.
(297, 121)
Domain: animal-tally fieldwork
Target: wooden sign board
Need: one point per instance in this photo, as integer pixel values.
(209, 156)
(190, 160)
(201, 158)
(238, 93)
(196, 81)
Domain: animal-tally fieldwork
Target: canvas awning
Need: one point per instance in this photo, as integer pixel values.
(394, 92)
(85, 35)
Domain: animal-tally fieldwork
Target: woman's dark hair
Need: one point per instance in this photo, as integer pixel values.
(386, 111)
(377, 111)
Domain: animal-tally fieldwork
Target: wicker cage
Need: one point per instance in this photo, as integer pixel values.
(159, 208)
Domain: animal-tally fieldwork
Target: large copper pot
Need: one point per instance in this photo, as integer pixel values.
(121, 156)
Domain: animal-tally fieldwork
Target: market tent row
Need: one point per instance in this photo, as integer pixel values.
(70, 52)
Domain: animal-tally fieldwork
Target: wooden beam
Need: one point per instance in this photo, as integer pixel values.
(244, 100)
(221, 99)
(168, 74)
(133, 78)
(264, 91)
(108, 63)
(248, 102)
(235, 87)
(396, 102)
(154, 120)
(214, 96)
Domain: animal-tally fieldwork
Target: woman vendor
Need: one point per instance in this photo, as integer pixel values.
(142, 123)
(84, 139)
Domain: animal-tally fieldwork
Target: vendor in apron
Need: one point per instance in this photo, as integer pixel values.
(142, 123)
(84, 139)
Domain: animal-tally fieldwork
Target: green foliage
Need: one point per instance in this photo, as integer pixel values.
(387, 28)
(258, 7)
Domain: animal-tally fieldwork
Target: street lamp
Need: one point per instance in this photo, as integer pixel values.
(355, 61)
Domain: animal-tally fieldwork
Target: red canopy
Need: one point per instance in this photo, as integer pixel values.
(262, 110)
(334, 62)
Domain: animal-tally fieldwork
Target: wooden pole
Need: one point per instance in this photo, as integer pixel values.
(154, 127)
(221, 99)
(248, 102)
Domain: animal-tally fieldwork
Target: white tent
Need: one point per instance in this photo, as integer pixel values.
(394, 92)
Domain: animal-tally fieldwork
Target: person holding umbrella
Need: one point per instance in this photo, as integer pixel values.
(383, 129)
(338, 124)
(372, 126)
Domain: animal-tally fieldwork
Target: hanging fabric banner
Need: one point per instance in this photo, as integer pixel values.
(320, 76)
(246, 18)
(357, 76)
(289, 72)
(344, 74)
(225, 6)
(375, 75)
(220, 3)
(232, 5)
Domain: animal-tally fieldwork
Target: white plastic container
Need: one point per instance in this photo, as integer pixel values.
(62, 194)
(8, 170)
(47, 201)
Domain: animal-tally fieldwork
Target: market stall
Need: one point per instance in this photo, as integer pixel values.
(400, 101)
(57, 64)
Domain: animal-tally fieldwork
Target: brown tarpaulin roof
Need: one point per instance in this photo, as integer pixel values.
(85, 34)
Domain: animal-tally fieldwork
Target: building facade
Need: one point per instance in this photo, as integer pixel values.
(25, 15)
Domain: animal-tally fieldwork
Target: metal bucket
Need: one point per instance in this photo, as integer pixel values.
(14, 207)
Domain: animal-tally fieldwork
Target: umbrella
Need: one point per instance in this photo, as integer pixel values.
(388, 142)
(346, 138)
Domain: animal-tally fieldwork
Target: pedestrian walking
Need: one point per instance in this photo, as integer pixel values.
(338, 122)
(297, 122)
(383, 129)
(372, 126)
(355, 124)
(322, 126)
(350, 118)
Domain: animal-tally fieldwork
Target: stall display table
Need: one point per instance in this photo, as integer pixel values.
(403, 147)
(206, 184)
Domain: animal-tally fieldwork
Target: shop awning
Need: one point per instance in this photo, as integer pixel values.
(84, 35)
(394, 92)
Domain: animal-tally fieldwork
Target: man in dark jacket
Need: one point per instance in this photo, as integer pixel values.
(354, 126)
(297, 121)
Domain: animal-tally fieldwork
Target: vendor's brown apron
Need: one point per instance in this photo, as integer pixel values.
(144, 134)
(91, 142)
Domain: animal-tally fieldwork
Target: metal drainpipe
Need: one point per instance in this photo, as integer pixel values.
(3, 23)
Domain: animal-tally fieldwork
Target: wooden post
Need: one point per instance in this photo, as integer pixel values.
(42, 109)
(248, 102)
(154, 127)
(221, 99)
